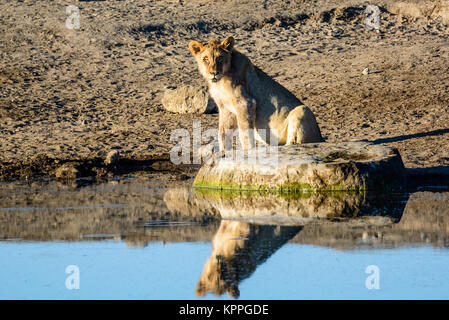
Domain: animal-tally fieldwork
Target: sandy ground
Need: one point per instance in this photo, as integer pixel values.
(76, 94)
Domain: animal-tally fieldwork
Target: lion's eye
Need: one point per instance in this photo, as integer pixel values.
(206, 59)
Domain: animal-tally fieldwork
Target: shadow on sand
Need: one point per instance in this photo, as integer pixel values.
(422, 177)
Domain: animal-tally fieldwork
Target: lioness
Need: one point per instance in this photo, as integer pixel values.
(250, 99)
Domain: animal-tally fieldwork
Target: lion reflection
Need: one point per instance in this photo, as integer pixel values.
(237, 249)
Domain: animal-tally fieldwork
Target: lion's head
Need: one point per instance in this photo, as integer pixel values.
(213, 58)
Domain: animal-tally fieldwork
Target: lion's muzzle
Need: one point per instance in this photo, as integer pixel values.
(214, 77)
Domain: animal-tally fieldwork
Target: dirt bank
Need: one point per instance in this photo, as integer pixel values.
(73, 95)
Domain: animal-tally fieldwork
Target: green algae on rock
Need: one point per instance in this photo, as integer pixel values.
(345, 166)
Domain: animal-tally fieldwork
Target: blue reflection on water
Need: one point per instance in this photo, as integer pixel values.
(111, 270)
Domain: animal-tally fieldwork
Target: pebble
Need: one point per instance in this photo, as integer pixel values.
(112, 157)
(67, 171)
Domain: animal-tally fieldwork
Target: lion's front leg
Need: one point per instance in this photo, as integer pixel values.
(246, 121)
(226, 123)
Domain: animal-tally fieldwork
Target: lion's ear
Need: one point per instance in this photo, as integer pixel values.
(195, 47)
(228, 43)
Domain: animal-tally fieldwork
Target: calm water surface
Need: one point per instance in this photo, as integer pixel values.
(141, 240)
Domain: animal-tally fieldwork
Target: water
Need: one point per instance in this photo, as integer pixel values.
(145, 240)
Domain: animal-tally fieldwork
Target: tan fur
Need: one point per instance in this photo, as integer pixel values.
(237, 249)
(248, 98)
(218, 275)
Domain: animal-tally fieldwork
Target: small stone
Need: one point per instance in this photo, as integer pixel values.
(188, 99)
(112, 157)
(365, 71)
(277, 23)
(67, 171)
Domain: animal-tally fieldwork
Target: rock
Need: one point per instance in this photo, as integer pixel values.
(421, 10)
(188, 99)
(302, 209)
(312, 167)
(427, 212)
(112, 157)
(185, 202)
(67, 171)
(365, 71)
(203, 204)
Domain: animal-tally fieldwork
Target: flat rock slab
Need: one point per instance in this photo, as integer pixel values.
(310, 167)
